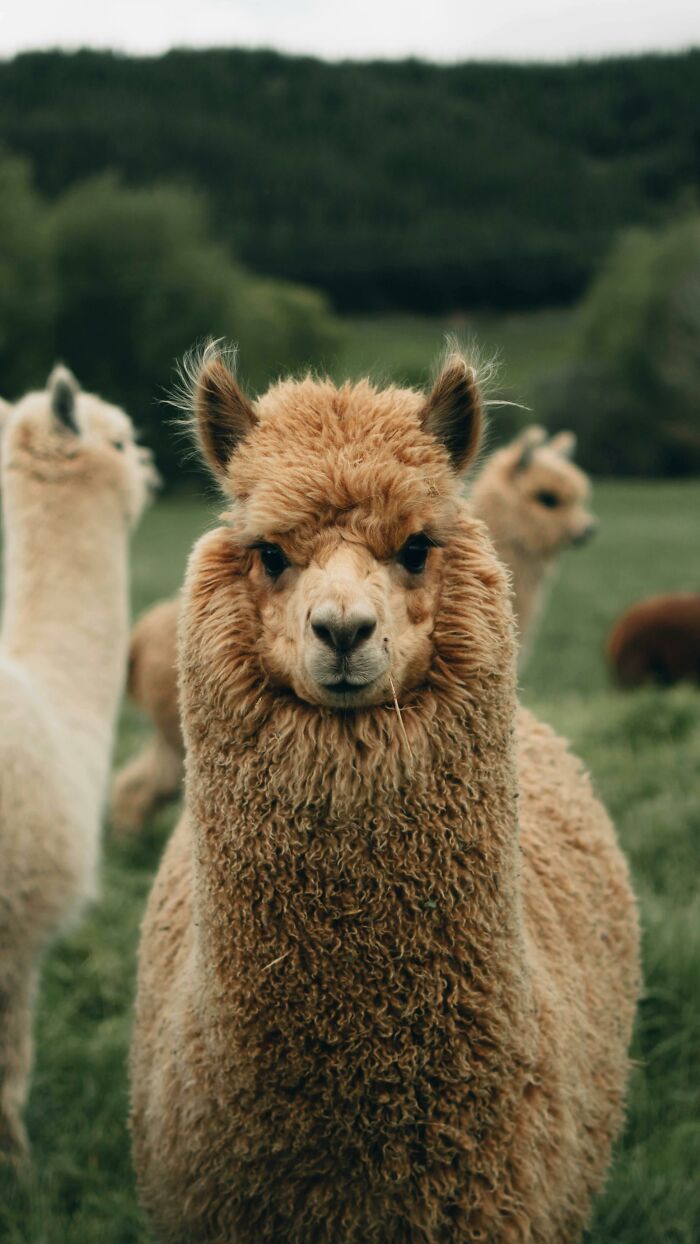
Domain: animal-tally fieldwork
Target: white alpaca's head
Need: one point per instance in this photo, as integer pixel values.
(64, 434)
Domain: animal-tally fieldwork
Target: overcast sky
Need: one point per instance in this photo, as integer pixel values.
(437, 29)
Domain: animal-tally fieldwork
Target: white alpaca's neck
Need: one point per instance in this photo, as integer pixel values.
(65, 618)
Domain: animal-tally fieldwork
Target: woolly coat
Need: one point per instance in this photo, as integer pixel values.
(384, 997)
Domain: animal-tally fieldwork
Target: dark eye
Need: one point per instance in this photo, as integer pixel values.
(548, 499)
(273, 559)
(119, 445)
(414, 553)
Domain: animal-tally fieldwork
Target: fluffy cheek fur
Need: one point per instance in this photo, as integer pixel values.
(404, 608)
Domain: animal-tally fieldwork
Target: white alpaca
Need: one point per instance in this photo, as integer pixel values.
(73, 485)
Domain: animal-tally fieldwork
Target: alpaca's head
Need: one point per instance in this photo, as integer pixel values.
(63, 434)
(345, 506)
(533, 496)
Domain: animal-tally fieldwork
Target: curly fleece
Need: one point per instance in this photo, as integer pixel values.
(385, 996)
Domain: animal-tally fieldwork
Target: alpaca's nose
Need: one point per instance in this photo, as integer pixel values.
(342, 631)
(582, 537)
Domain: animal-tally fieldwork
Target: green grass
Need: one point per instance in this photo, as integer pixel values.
(644, 752)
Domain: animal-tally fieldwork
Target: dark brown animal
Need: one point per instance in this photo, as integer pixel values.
(657, 641)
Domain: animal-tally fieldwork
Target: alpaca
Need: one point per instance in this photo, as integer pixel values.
(657, 640)
(73, 485)
(534, 502)
(155, 773)
(389, 965)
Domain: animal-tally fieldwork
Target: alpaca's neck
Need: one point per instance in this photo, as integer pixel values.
(341, 862)
(65, 618)
(530, 576)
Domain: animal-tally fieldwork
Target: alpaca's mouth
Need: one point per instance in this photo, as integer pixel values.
(343, 687)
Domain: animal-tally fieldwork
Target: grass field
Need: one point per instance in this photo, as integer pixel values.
(644, 752)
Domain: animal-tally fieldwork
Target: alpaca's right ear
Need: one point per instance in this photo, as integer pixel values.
(223, 415)
(527, 443)
(453, 412)
(63, 388)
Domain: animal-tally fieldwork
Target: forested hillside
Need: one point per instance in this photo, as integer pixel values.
(386, 185)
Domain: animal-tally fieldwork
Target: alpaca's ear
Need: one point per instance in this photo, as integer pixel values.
(63, 388)
(526, 444)
(223, 415)
(453, 412)
(564, 443)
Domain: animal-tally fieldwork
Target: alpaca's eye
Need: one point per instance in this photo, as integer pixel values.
(119, 445)
(548, 499)
(414, 553)
(273, 559)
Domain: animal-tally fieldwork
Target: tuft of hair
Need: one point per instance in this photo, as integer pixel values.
(63, 389)
(216, 409)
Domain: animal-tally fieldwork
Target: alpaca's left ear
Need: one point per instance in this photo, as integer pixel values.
(453, 413)
(64, 388)
(564, 443)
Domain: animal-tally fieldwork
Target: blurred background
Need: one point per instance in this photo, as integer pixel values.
(339, 190)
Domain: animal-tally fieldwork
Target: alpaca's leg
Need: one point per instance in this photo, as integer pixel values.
(17, 989)
(153, 776)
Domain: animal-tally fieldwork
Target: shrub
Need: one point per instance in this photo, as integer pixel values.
(139, 280)
(26, 281)
(633, 390)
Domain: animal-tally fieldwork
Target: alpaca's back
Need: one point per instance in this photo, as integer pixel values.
(152, 673)
(582, 928)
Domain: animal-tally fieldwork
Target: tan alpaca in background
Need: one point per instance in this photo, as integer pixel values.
(155, 773)
(73, 485)
(534, 501)
(389, 966)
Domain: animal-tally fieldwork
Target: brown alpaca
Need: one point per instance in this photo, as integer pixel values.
(155, 773)
(534, 502)
(657, 640)
(389, 966)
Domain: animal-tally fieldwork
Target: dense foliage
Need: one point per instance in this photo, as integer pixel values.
(404, 185)
(120, 282)
(632, 390)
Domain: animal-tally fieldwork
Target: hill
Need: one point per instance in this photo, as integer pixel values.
(388, 185)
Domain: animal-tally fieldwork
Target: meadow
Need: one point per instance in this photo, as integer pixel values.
(644, 753)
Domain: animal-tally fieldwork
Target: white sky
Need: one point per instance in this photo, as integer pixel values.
(434, 29)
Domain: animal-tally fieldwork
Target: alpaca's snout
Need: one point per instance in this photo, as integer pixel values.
(587, 533)
(344, 653)
(343, 632)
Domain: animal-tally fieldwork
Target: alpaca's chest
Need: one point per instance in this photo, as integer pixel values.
(354, 1018)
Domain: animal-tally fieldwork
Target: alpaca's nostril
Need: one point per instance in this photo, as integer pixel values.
(323, 633)
(363, 632)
